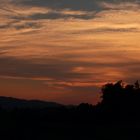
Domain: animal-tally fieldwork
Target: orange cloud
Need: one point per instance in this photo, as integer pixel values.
(67, 59)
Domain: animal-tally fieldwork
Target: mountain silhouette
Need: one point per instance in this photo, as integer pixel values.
(12, 103)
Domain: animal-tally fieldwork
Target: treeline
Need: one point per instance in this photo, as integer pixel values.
(120, 106)
(117, 98)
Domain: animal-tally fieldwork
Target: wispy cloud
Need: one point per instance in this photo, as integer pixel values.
(65, 50)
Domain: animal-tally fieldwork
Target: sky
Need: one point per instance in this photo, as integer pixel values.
(66, 50)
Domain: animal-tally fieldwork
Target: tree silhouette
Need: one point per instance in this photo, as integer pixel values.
(112, 93)
(121, 99)
(137, 85)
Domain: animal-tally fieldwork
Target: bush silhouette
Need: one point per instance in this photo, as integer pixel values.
(121, 99)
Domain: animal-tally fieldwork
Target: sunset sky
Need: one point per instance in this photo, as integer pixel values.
(65, 50)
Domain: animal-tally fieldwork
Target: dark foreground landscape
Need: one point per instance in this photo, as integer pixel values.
(116, 117)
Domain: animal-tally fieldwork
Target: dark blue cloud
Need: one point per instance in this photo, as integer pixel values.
(84, 5)
(90, 7)
(58, 15)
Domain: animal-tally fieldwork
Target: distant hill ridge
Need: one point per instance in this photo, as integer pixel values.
(11, 103)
